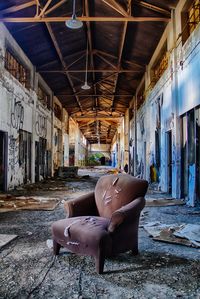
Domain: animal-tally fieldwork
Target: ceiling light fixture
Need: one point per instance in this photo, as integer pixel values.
(86, 86)
(74, 23)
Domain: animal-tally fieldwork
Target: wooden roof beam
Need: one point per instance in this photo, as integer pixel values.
(54, 7)
(83, 18)
(89, 37)
(42, 12)
(153, 7)
(116, 6)
(106, 61)
(55, 43)
(92, 70)
(17, 7)
(121, 51)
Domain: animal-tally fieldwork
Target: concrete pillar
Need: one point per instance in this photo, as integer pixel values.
(126, 138)
(77, 141)
(176, 137)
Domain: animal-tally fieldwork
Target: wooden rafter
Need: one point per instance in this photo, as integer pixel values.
(152, 7)
(42, 12)
(106, 61)
(89, 37)
(17, 7)
(116, 6)
(92, 70)
(57, 48)
(121, 51)
(84, 19)
(54, 7)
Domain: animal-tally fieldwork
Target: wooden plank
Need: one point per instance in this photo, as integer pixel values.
(152, 7)
(91, 70)
(116, 6)
(54, 7)
(84, 19)
(44, 9)
(17, 7)
(57, 48)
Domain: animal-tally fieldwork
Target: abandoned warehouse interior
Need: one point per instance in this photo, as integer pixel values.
(105, 86)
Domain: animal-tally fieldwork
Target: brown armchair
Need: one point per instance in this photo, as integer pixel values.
(104, 222)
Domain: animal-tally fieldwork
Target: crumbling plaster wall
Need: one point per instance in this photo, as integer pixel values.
(178, 91)
(20, 109)
(78, 145)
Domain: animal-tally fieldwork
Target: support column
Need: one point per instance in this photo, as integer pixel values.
(126, 141)
(176, 125)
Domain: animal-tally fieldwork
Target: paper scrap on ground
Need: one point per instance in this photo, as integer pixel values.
(5, 239)
(184, 234)
(12, 203)
(161, 202)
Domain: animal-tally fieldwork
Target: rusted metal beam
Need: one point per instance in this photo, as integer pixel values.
(84, 19)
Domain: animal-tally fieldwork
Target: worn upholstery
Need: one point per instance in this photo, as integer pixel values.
(104, 222)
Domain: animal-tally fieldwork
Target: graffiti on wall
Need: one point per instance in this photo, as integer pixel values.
(17, 115)
(41, 125)
(13, 153)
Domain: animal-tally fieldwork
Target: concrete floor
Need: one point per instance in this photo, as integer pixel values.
(29, 270)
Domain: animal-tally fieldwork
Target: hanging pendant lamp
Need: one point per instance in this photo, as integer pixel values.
(86, 86)
(74, 23)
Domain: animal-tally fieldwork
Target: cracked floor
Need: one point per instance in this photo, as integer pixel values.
(29, 270)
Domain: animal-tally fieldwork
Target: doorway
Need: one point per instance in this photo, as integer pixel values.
(189, 157)
(197, 129)
(169, 161)
(3, 161)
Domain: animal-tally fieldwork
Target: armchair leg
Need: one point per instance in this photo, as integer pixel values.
(99, 263)
(56, 247)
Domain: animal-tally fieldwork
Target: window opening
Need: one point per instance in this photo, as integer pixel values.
(43, 97)
(16, 69)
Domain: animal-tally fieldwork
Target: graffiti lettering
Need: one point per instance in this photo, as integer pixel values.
(41, 126)
(13, 152)
(17, 115)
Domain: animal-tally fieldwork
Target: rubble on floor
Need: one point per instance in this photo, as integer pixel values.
(5, 239)
(28, 268)
(183, 234)
(9, 203)
(163, 201)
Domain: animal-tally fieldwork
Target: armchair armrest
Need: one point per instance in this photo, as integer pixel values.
(82, 206)
(126, 213)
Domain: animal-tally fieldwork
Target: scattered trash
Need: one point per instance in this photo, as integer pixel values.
(161, 202)
(183, 234)
(10, 204)
(49, 244)
(5, 239)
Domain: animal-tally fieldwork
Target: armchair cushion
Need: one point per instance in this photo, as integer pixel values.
(82, 234)
(83, 205)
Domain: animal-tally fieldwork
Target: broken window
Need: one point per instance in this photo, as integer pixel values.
(160, 66)
(58, 111)
(17, 69)
(190, 18)
(43, 96)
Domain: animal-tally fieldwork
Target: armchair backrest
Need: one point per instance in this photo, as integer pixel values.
(114, 191)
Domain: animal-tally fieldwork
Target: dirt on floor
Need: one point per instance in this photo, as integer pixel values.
(28, 268)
